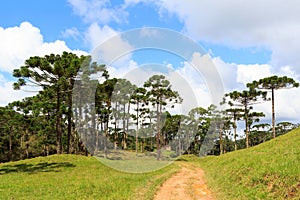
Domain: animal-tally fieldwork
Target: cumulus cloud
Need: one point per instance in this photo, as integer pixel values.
(20, 42)
(269, 24)
(108, 46)
(192, 87)
(186, 80)
(249, 73)
(204, 65)
(71, 32)
(236, 76)
(98, 11)
(228, 73)
(7, 94)
(96, 35)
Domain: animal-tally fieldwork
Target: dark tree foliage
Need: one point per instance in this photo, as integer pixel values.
(121, 115)
(244, 100)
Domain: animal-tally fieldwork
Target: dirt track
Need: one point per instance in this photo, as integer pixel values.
(187, 184)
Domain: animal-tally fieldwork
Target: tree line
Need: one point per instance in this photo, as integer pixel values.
(62, 118)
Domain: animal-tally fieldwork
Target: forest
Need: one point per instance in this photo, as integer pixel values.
(80, 109)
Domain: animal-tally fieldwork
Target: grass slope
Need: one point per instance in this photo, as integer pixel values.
(75, 177)
(267, 171)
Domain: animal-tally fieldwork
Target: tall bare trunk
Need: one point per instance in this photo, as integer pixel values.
(96, 136)
(58, 124)
(10, 143)
(273, 114)
(137, 128)
(221, 139)
(157, 133)
(234, 124)
(116, 127)
(69, 116)
(246, 126)
(124, 138)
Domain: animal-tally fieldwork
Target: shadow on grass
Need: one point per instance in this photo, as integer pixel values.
(181, 159)
(34, 168)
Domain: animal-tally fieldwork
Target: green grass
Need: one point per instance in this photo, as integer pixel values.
(267, 171)
(137, 163)
(76, 177)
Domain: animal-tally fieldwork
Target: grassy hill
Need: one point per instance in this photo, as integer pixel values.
(75, 177)
(267, 171)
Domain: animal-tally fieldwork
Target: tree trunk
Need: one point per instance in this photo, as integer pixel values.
(246, 126)
(143, 145)
(127, 127)
(105, 137)
(10, 144)
(157, 133)
(179, 145)
(221, 140)
(69, 116)
(96, 137)
(234, 124)
(124, 138)
(58, 124)
(137, 128)
(273, 114)
(116, 127)
(26, 143)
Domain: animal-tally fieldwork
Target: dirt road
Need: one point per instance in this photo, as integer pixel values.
(187, 184)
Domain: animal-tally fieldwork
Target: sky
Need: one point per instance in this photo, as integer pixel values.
(243, 41)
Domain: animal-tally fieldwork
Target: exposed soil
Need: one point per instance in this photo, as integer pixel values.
(187, 184)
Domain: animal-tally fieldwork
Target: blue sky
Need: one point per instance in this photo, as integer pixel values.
(246, 41)
(54, 17)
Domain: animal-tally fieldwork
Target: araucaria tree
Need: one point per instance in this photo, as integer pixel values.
(160, 95)
(55, 73)
(271, 84)
(235, 114)
(245, 99)
(139, 99)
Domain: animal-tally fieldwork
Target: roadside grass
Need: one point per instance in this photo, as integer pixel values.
(135, 162)
(76, 177)
(268, 171)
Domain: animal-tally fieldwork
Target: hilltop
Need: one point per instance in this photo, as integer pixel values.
(267, 171)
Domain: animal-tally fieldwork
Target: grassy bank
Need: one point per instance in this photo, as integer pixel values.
(267, 171)
(75, 177)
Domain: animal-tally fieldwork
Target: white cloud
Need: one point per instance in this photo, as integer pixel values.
(98, 11)
(96, 35)
(16, 44)
(204, 65)
(185, 80)
(7, 94)
(268, 24)
(128, 3)
(286, 106)
(151, 33)
(249, 73)
(288, 71)
(125, 71)
(20, 42)
(192, 87)
(71, 32)
(236, 76)
(228, 73)
(109, 47)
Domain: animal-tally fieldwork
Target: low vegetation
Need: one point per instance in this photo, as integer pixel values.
(268, 171)
(76, 177)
